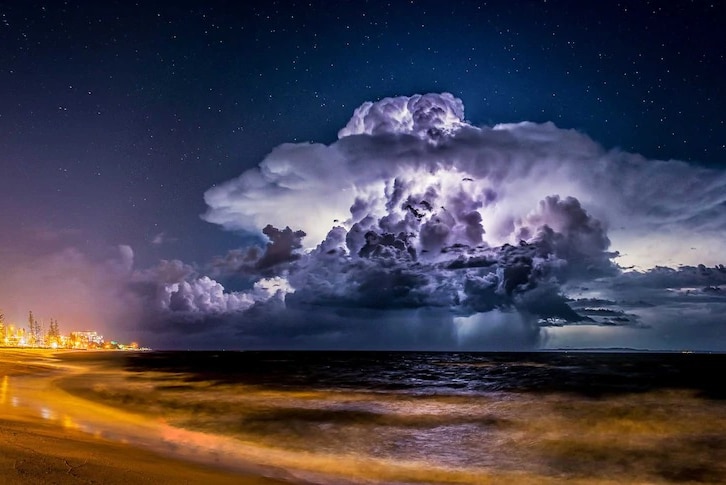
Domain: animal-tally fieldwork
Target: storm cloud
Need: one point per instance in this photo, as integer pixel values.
(418, 229)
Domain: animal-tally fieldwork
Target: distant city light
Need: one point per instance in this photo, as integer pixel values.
(15, 336)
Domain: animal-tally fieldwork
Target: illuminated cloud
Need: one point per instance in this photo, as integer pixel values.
(415, 155)
(413, 212)
(424, 116)
(173, 287)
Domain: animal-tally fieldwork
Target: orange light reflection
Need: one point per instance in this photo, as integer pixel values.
(68, 422)
(4, 390)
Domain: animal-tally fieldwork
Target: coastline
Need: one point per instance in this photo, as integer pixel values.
(114, 417)
(41, 440)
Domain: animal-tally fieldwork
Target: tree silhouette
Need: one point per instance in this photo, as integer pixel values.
(3, 328)
(34, 329)
(53, 335)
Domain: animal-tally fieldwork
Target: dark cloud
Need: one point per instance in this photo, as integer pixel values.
(680, 308)
(281, 249)
(240, 260)
(682, 277)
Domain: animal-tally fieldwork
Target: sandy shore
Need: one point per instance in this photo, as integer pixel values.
(41, 441)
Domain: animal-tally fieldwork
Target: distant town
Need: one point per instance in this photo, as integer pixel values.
(36, 335)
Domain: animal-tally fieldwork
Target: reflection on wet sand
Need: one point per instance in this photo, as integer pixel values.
(50, 436)
(4, 390)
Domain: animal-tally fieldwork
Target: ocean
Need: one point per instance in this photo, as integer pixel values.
(423, 417)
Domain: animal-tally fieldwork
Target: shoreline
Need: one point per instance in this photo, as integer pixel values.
(97, 417)
(43, 441)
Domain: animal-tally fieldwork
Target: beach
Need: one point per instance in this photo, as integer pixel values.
(42, 444)
(347, 418)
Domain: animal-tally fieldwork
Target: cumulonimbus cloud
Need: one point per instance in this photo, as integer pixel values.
(415, 214)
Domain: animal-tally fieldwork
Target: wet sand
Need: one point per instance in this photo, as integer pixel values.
(40, 444)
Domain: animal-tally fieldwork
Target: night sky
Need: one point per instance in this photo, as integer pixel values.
(117, 121)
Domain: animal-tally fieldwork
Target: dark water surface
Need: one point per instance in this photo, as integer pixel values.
(585, 373)
(416, 417)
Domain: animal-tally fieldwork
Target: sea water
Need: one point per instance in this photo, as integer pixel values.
(398, 417)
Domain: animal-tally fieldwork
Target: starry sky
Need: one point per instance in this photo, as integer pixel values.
(119, 123)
